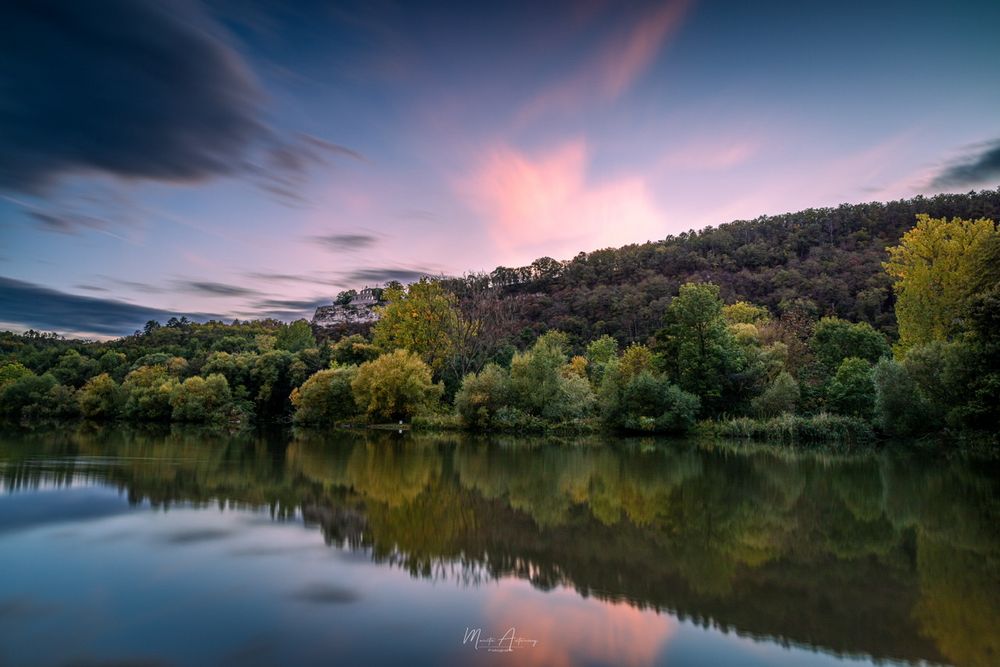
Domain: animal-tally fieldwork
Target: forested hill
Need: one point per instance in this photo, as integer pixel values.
(828, 260)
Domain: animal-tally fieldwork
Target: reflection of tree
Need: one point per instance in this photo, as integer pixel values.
(889, 557)
(959, 605)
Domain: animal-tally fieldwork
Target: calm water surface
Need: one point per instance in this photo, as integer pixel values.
(136, 547)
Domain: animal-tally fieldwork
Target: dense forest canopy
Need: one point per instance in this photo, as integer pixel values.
(785, 326)
(828, 260)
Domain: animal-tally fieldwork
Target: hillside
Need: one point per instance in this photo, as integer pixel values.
(827, 259)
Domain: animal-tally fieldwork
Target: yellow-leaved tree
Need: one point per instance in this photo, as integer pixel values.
(934, 268)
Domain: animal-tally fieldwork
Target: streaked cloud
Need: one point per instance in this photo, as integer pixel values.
(616, 65)
(546, 202)
(979, 166)
(344, 242)
(43, 308)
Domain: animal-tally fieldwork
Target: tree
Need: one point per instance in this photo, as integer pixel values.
(698, 348)
(295, 337)
(600, 352)
(834, 340)
(852, 390)
(201, 400)
(482, 395)
(899, 407)
(645, 402)
(147, 392)
(539, 385)
(935, 269)
(744, 312)
(779, 398)
(420, 319)
(352, 350)
(32, 397)
(10, 372)
(326, 397)
(100, 398)
(397, 385)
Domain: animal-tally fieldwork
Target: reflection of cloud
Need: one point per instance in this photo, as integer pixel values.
(546, 202)
(323, 593)
(571, 630)
(196, 535)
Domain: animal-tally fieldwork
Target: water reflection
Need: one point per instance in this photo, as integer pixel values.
(879, 556)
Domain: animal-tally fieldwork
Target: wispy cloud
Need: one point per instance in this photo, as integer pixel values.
(33, 305)
(545, 203)
(382, 275)
(344, 242)
(616, 66)
(979, 166)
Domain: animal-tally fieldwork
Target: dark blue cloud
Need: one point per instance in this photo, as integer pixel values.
(139, 89)
(43, 308)
(979, 167)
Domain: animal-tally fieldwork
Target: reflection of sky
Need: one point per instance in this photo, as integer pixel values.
(494, 136)
(203, 586)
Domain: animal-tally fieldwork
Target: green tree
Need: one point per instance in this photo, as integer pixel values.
(780, 397)
(834, 340)
(12, 371)
(600, 352)
(646, 402)
(295, 337)
(201, 400)
(397, 385)
(326, 397)
(899, 406)
(698, 348)
(352, 350)
(100, 398)
(744, 312)
(934, 269)
(482, 395)
(147, 392)
(420, 319)
(852, 389)
(539, 385)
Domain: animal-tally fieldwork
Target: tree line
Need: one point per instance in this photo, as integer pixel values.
(455, 353)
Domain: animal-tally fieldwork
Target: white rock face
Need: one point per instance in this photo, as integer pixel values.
(328, 316)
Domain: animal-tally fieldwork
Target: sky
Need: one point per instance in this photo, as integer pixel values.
(252, 159)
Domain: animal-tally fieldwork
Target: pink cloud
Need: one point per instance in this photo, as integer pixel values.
(544, 204)
(616, 66)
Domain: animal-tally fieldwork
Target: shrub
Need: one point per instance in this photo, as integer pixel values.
(651, 403)
(326, 397)
(395, 386)
(199, 399)
(147, 392)
(540, 387)
(899, 408)
(780, 397)
(852, 391)
(32, 397)
(794, 429)
(100, 398)
(482, 395)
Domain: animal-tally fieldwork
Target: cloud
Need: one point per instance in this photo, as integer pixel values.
(385, 275)
(617, 64)
(978, 167)
(542, 204)
(208, 288)
(140, 89)
(344, 242)
(66, 223)
(40, 307)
